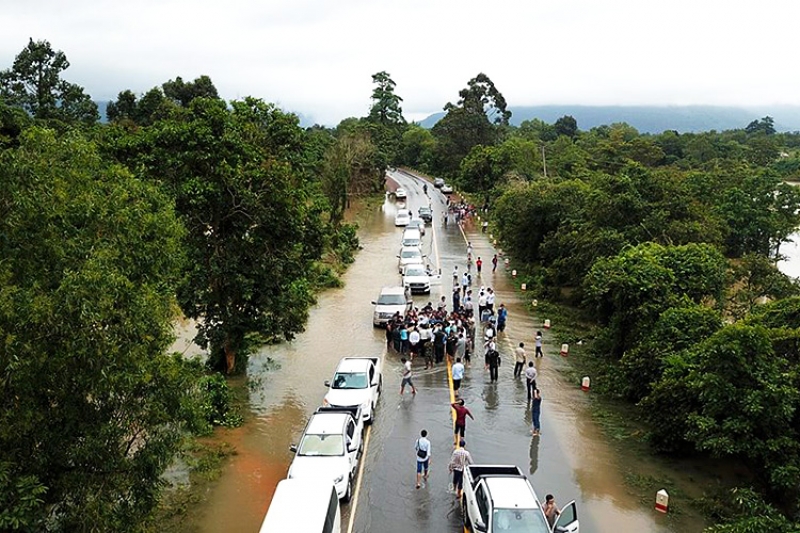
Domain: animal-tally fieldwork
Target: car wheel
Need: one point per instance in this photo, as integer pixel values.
(349, 492)
(464, 512)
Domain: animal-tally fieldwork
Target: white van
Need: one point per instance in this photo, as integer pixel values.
(303, 505)
(412, 237)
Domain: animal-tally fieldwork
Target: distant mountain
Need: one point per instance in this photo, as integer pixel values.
(654, 119)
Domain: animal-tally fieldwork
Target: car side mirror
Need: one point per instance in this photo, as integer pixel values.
(293, 448)
(480, 526)
(352, 447)
(327, 383)
(373, 302)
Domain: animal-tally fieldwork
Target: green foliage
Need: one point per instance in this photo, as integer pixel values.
(743, 510)
(21, 500)
(92, 409)
(469, 123)
(34, 84)
(385, 108)
(217, 400)
(417, 148)
(237, 179)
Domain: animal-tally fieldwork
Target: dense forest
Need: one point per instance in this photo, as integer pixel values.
(184, 204)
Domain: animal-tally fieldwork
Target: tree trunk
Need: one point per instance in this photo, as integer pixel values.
(230, 358)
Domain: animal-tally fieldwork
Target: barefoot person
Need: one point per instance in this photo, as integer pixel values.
(406, 377)
(460, 459)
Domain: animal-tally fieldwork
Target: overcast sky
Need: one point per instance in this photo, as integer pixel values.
(317, 57)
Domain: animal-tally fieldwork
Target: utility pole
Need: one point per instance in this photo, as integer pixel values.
(544, 162)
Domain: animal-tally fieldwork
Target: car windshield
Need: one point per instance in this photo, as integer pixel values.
(424, 210)
(414, 271)
(350, 380)
(519, 520)
(321, 445)
(405, 254)
(392, 299)
(413, 223)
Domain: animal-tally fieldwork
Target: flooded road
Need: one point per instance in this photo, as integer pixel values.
(571, 459)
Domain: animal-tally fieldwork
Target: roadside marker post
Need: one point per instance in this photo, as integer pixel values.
(662, 501)
(564, 350)
(586, 383)
(547, 323)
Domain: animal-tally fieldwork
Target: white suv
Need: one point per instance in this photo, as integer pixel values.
(391, 300)
(330, 447)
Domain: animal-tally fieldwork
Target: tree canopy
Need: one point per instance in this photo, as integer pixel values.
(34, 83)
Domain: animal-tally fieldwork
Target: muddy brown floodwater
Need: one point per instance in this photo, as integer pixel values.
(287, 383)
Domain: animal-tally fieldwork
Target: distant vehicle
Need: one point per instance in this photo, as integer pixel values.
(400, 193)
(438, 183)
(357, 382)
(402, 218)
(426, 214)
(418, 224)
(303, 505)
(447, 189)
(417, 279)
(390, 301)
(409, 255)
(500, 498)
(411, 237)
(330, 448)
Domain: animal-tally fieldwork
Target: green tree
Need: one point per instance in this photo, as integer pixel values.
(764, 126)
(34, 83)
(567, 126)
(92, 411)
(417, 148)
(182, 93)
(469, 122)
(385, 108)
(254, 227)
(349, 169)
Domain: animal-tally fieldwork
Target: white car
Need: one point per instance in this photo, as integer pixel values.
(391, 300)
(402, 218)
(438, 183)
(417, 223)
(400, 193)
(447, 189)
(500, 498)
(417, 278)
(330, 447)
(409, 255)
(356, 383)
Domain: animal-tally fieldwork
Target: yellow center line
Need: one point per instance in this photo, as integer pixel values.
(358, 481)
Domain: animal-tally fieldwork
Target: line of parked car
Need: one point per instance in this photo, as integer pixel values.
(329, 450)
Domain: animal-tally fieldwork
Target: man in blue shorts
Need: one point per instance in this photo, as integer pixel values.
(423, 449)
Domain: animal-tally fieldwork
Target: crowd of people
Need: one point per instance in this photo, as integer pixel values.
(447, 332)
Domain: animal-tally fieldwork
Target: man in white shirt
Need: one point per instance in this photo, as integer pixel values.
(481, 304)
(464, 283)
(406, 377)
(519, 359)
(423, 449)
(413, 341)
(458, 374)
(530, 379)
(490, 300)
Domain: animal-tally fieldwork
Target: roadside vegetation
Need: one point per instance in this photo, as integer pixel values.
(230, 212)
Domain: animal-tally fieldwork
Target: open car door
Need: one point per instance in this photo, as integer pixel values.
(567, 521)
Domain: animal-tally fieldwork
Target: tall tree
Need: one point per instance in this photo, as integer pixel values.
(470, 122)
(184, 92)
(92, 411)
(34, 83)
(253, 227)
(385, 108)
(566, 125)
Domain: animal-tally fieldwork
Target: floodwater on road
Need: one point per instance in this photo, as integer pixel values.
(571, 459)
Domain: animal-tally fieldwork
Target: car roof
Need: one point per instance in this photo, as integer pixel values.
(393, 290)
(404, 212)
(413, 266)
(511, 492)
(351, 364)
(327, 423)
(410, 248)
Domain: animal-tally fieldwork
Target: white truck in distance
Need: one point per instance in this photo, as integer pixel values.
(500, 498)
(356, 383)
(330, 448)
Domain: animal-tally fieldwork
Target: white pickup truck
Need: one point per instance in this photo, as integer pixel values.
(500, 498)
(356, 383)
(330, 447)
